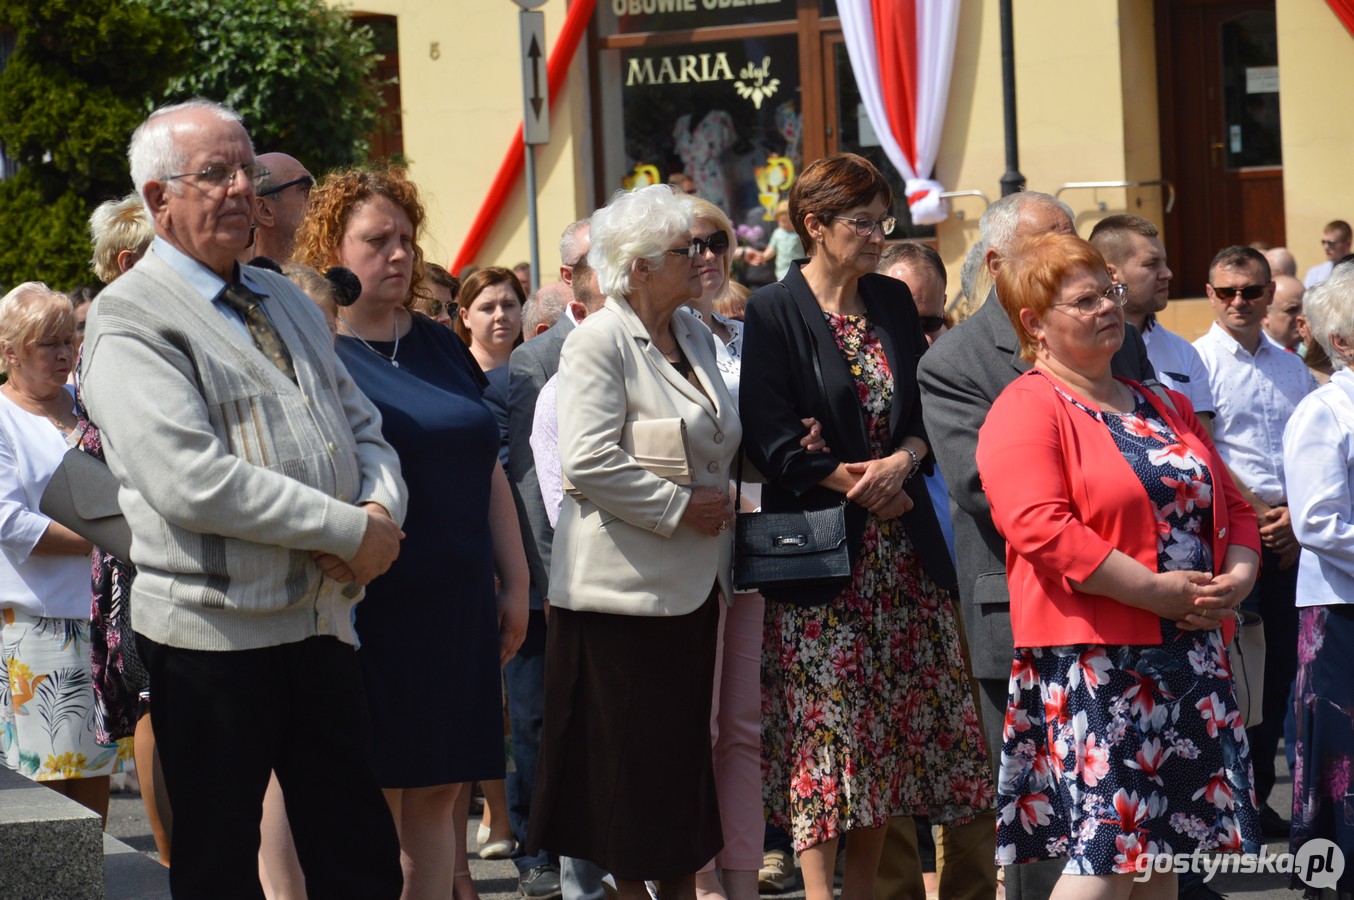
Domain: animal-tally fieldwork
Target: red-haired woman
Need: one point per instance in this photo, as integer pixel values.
(1129, 548)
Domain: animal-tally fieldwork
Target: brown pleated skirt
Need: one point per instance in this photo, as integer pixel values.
(625, 778)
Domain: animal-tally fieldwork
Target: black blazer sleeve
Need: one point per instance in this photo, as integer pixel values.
(783, 331)
(774, 396)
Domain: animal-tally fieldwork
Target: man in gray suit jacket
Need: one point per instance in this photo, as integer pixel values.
(961, 375)
(531, 366)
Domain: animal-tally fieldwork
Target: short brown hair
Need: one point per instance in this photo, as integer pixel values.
(1239, 257)
(832, 184)
(1341, 227)
(1032, 275)
(331, 205)
(1111, 235)
(914, 253)
(475, 285)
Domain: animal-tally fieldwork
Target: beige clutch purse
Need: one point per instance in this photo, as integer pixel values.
(659, 445)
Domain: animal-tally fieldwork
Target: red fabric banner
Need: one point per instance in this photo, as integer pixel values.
(514, 161)
(895, 34)
(1344, 9)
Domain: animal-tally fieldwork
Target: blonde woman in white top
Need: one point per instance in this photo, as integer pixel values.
(47, 705)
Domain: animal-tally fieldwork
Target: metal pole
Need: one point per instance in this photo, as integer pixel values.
(1012, 182)
(531, 218)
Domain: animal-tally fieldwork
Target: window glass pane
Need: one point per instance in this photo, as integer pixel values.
(1250, 84)
(630, 16)
(725, 113)
(855, 135)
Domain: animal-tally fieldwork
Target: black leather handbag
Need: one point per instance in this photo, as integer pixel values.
(777, 552)
(805, 548)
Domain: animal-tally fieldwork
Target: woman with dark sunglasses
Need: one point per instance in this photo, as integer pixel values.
(737, 704)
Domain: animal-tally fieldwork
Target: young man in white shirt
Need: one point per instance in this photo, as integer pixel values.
(1336, 239)
(1136, 258)
(1256, 387)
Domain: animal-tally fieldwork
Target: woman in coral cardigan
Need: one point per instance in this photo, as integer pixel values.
(1128, 550)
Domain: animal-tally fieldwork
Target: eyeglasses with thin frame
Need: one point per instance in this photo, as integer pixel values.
(1248, 293)
(1331, 245)
(306, 180)
(865, 226)
(1092, 303)
(223, 175)
(717, 244)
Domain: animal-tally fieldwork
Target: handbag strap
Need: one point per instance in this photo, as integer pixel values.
(822, 392)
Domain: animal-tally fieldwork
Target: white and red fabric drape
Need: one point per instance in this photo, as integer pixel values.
(902, 52)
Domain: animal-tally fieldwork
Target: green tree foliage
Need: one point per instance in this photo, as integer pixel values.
(299, 72)
(84, 73)
(80, 78)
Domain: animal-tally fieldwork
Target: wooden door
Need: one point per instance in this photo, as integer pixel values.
(1218, 68)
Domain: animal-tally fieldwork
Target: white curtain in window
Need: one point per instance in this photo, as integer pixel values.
(902, 52)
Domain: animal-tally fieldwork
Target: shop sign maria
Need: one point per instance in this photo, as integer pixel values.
(753, 83)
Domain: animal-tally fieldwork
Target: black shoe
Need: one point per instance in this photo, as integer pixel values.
(1272, 825)
(1200, 891)
(540, 883)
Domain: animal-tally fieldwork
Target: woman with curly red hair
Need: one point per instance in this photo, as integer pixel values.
(431, 647)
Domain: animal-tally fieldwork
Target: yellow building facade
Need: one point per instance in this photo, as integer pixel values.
(1232, 102)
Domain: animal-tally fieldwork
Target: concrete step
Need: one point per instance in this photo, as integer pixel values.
(129, 874)
(52, 848)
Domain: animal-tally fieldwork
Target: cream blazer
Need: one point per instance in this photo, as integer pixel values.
(619, 547)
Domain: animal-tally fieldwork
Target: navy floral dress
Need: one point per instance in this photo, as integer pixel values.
(1114, 751)
(867, 711)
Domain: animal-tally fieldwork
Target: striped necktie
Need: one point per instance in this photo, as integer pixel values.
(261, 328)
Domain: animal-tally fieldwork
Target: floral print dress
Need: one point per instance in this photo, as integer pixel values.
(1323, 777)
(867, 711)
(1112, 751)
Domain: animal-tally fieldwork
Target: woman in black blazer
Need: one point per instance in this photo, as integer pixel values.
(868, 712)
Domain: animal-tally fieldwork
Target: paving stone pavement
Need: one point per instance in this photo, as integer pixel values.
(497, 880)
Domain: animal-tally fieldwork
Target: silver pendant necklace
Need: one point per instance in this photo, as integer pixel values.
(395, 351)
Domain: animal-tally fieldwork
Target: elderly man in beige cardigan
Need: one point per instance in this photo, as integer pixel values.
(261, 497)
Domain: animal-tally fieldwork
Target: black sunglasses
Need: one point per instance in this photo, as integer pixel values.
(308, 181)
(1248, 293)
(932, 324)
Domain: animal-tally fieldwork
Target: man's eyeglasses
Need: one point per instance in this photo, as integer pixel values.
(306, 180)
(717, 244)
(932, 324)
(865, 226)
(1091, 304)
(1330, 245)
(223, 175)
(1248, 293)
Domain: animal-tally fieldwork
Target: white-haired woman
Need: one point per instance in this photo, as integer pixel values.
(641, 561)
(1318, 456)
(47, 706)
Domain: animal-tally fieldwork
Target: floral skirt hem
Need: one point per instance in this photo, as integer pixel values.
(1112, 752)
(1323, 776)
(48, 714)
(867, 706)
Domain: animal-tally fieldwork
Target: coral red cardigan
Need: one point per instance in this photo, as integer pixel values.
(1063, 496)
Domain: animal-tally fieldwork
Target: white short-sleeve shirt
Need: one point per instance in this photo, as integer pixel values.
(55, 587)
(1255, 395)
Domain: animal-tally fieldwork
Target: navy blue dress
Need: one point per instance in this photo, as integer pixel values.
(429, 626)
